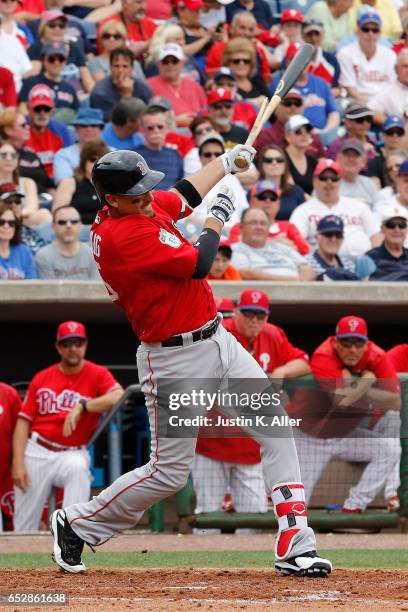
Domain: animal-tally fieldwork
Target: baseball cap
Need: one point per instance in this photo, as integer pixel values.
(41, 95)
(291, 15)
(171, 49)
(352, 327)
(330, 223)
(312, 25)
(354, 145)
(295, 122)
(393, 121)
(403, 169)
(70, 329)
(226, 306)
(368, 17)
(357, 111)
(9, 189)
(254, 299)
(225, 248)
(264, 186)
(224, 72)
(292, 49)
(293, 93)
(191, 5)
(211, 137)
(220, 94)
(159, 102)
(54, 47)
(327, 164)
(51, 15)
(393, 212)
(88, 116)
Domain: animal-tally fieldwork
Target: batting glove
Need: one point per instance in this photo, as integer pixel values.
(242, 151)
(222, 206)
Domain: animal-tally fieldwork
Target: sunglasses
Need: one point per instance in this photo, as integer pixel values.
(72, 342)
(170, 60)
(254, 314)
(221, 105)
(57, 24)
(363, 120)
(337, 235)
(349, 343)
(240, 60)
(306, 129)
(265, 198)
(365, 29)
(209, 154)
(107, 36)
(42, 109)
(333, 179)
(66, 221)
(394, 132)
(151, 128)
(289, 103)
(12, 223)
(273, 160)
(396, 224)
(13, 200)
(55, 58)
(8, 155)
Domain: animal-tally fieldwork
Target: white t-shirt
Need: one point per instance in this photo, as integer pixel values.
(277, 259)
(13, 57)
(391, 100)
(367, 76)
(359, 223)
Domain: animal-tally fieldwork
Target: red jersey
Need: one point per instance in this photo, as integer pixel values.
(10, 406)
(398, 356)
(181, 143)
(139, 30)
(8, 96)
(320, 417)
(213, 60)
(52, 394)
(45, 145)
(279, 228)
(244, 115)
(147, 265)
(271, 349)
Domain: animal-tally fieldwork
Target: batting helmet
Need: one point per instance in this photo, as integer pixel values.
(123, 173)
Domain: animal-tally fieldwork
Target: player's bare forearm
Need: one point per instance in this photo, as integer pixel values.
(291, 369)
(214, 224)
(387, 400)
(104, 402)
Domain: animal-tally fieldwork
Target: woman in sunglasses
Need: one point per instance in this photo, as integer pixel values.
(273, 166)
(240, 57)
(301, 165)
(392, 164)
(77, 191)
(16, 260)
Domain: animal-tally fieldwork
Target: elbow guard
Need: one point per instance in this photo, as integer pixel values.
(207, 246)
(189, 193)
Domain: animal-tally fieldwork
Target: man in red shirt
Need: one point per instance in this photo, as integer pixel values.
(357, 416)
(398, 356)
(10, 406)
(140, 28)
(60, 413)
(8, 95)
(158, 278)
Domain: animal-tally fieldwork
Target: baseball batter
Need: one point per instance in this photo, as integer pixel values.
(157, 277)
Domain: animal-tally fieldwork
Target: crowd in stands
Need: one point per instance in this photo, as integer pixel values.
(180, 81)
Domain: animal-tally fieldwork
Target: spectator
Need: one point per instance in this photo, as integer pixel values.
(13, 57)
(273, 166)
(326, 262)
(122, 131)
(392, 98)
(388, 12)
(301, 165)
(66, 257)
(16, 261)
(53, 28)
(366, 67)
(392, 132)
(11, 197)
(244, 112)
(221, 268)
(402, 43)
(213, 15)
(120, 83)
(220, 112)
(258, 259)
(88, 124)
(260, 9)
(8, 94)
(10, 403)
(198, 38)
(266, 195)
(357, 121)
(400, 195)
(360, 226)
(77, 191)
(199, 127)
(111, 35)
(323, 64)
(60, 412)
(11, 26)
(53, 62)
(352, 159)
(187, 97)
(274, 135)
(391, 258)
(157, 155)
(359, 381)
(240, 57)
(336, 20)
(47, 136)
(290, 32)
(388, 193)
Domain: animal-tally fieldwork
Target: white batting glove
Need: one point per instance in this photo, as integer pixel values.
(246, 153)
(222, 206)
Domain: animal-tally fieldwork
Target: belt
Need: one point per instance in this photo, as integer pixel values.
(53, 447)
(200, 334)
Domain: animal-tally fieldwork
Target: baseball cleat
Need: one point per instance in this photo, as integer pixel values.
(308, 564)
(68, 546)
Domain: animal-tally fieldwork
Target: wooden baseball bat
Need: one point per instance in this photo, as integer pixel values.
(289, 78)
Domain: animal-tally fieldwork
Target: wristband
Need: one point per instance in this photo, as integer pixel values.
(226, 162)
(84, 404)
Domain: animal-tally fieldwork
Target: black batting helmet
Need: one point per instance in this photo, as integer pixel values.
(123, 173)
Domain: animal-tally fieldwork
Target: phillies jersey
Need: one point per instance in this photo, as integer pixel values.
(10, 406)
(147, 265)
(398, 356)
(52, 394)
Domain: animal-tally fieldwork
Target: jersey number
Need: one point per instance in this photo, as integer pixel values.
(96, 248)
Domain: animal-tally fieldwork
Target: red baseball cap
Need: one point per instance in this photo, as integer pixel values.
(327, 164)
(292, 49)
(224, 304)
(191, 5)
(71, 329)
(254, 299)
(352, 327)
(291, 15)
(41, 95)
(221, 94)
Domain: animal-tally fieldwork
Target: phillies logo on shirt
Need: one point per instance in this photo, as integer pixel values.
(7, 502)
(49, 402)
(353, 324)
(265, 359)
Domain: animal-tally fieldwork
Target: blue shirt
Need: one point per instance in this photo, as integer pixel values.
(66, 161)
(166, 160)
(65, 96)
(112, 140)
(19, 265)
(105, 94)
(261, 11)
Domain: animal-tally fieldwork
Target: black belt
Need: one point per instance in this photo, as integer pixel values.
(201, 334)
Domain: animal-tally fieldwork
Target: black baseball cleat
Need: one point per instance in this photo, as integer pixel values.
(68, 546)
(307, 564)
